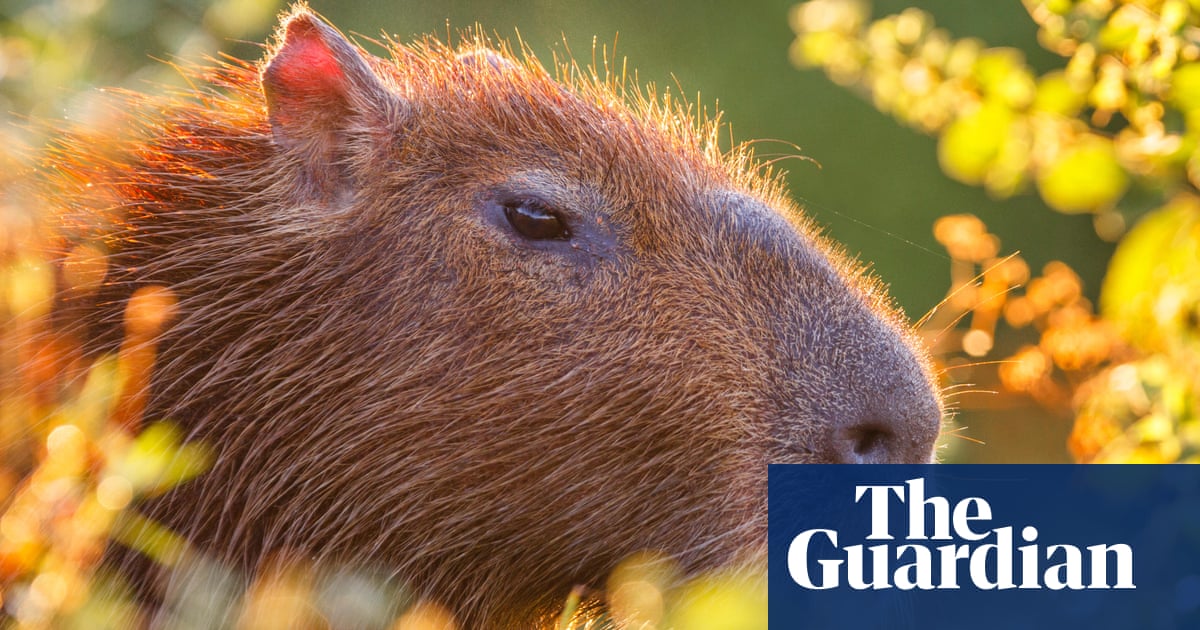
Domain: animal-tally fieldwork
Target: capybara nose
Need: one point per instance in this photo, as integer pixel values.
(888, 410)
(860, 389)
(892, 416)
(906, 436)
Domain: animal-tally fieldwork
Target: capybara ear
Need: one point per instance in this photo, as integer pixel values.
(318, 86)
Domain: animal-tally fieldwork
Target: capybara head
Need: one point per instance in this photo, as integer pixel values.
(492, 331)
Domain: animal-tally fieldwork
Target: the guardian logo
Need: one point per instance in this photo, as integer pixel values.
(973, 554)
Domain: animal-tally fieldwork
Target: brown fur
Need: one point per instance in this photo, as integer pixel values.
(389, 374)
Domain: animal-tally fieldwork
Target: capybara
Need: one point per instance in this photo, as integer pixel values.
(493, 331)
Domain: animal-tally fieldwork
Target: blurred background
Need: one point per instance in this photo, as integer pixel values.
(875, 185)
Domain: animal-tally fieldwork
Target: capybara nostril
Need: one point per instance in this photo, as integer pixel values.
(869, 444)
(879, 442)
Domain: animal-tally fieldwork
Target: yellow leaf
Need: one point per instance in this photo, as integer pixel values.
(969, 145)
(1185, 87)
(1154, 275)
(1086, 177)
(729, 601)
(1056, 95)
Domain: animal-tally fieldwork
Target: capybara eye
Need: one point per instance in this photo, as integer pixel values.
(534, 221)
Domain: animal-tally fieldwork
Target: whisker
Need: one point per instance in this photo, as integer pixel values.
(972, 364)
(958, 436)
(963, 392)
(972, 283)
(772, 162)
(950, 326)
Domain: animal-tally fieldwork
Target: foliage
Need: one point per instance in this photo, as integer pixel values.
(52, 52)
(1114, 132)
(74, 457)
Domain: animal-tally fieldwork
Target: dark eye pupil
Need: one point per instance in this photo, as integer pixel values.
(535, 222)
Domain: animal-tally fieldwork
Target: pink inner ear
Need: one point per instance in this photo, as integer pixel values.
(306, 66)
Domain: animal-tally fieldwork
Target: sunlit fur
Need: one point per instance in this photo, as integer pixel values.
(386, 379)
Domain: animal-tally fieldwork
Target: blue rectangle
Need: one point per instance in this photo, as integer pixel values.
(1088, 546)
